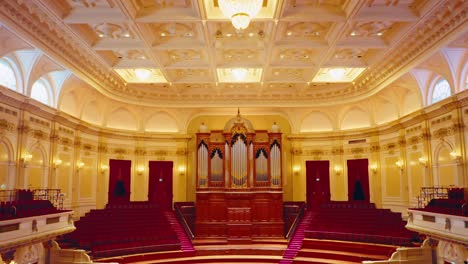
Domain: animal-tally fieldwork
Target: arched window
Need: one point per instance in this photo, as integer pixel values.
(39, 92)
(441, 91)
(466, 82)
(8, 75)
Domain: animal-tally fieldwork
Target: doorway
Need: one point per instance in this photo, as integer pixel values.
(119, 181)
(318, 182)
(160, 183)
(358, 180)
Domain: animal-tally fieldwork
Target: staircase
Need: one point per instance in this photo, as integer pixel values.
(185, 243)
(295, 243)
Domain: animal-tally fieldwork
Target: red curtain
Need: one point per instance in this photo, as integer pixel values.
(160, 183)
(318, 182)
(358, 180)
(119, 181)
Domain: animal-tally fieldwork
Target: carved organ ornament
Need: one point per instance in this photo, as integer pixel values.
(238, 157)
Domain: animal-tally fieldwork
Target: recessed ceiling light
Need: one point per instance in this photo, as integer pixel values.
(239, 73)
(142, 74)
(337, 73)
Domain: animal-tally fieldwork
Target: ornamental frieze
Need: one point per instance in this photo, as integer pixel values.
(140, 151)
(374, 148)
(6, 125)
(102, 148)
(338, 151)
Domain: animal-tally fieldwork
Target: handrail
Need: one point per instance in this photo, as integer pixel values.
(184, 222)
(293, 227)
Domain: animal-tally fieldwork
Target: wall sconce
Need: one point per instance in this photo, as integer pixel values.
(57, 163)
(337, 169)
(423, 161)
(373, 168)
(181, 170)
(455, 156)
(296, 169)
(79, 165)
(140, 170)
(400, 164)
(104, 168)
(26, 158)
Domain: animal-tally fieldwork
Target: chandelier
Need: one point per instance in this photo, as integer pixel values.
(240, 11)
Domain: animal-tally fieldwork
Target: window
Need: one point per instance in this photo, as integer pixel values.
(466, 82)
(441, 91)
(39, 92)
(8, 75)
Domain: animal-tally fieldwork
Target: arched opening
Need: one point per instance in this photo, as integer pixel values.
(441, 91)
(40, 92)
(8, 75)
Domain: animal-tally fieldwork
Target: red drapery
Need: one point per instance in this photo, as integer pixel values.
(358, 180)
(318, 182)
(119, 181)
(160, 183)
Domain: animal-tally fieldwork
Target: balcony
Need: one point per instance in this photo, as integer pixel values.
(17, 232)
(442, 226)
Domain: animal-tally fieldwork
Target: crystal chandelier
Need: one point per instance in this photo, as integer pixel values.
(240, 11)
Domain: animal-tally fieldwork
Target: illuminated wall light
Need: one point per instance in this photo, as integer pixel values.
(104, 168)
(26, 158)
(338, 169)
(140, 170)
(181, 170)
(423, 161)
(142, 74)
(373, 168)
(400, 164)
(79, 165)
(57, 163)
(455, 156)
(296, 169)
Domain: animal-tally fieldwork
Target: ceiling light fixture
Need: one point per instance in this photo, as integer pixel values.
(240, 11)
(239, 73)
(337, 73)
(142, 74)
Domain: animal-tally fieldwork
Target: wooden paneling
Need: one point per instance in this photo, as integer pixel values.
(239, 216)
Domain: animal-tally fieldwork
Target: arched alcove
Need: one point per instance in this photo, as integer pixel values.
(355, 118)
(161, 122)
(121, 118)
(315, 122)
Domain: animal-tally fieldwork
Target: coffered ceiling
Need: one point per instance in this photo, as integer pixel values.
(192, 51)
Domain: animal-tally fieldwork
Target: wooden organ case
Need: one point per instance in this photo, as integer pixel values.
(239, 183)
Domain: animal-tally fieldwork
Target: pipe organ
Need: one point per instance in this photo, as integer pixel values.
(239, 187)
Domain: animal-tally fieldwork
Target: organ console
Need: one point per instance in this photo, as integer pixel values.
(239, 183)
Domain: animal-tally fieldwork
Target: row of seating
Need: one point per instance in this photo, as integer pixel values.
(456, 193)
(358, 221)
(25, 208)
(136, 227)
(446, 206)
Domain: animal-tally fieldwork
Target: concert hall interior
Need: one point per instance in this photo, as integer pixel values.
(233, 131)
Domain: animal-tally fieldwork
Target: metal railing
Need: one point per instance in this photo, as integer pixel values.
(296, 221)
(183, 221)
(53, 195)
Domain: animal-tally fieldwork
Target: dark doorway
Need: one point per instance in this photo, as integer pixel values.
(358, 180)
(119, 181)
(318, 182)
(160, 183)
